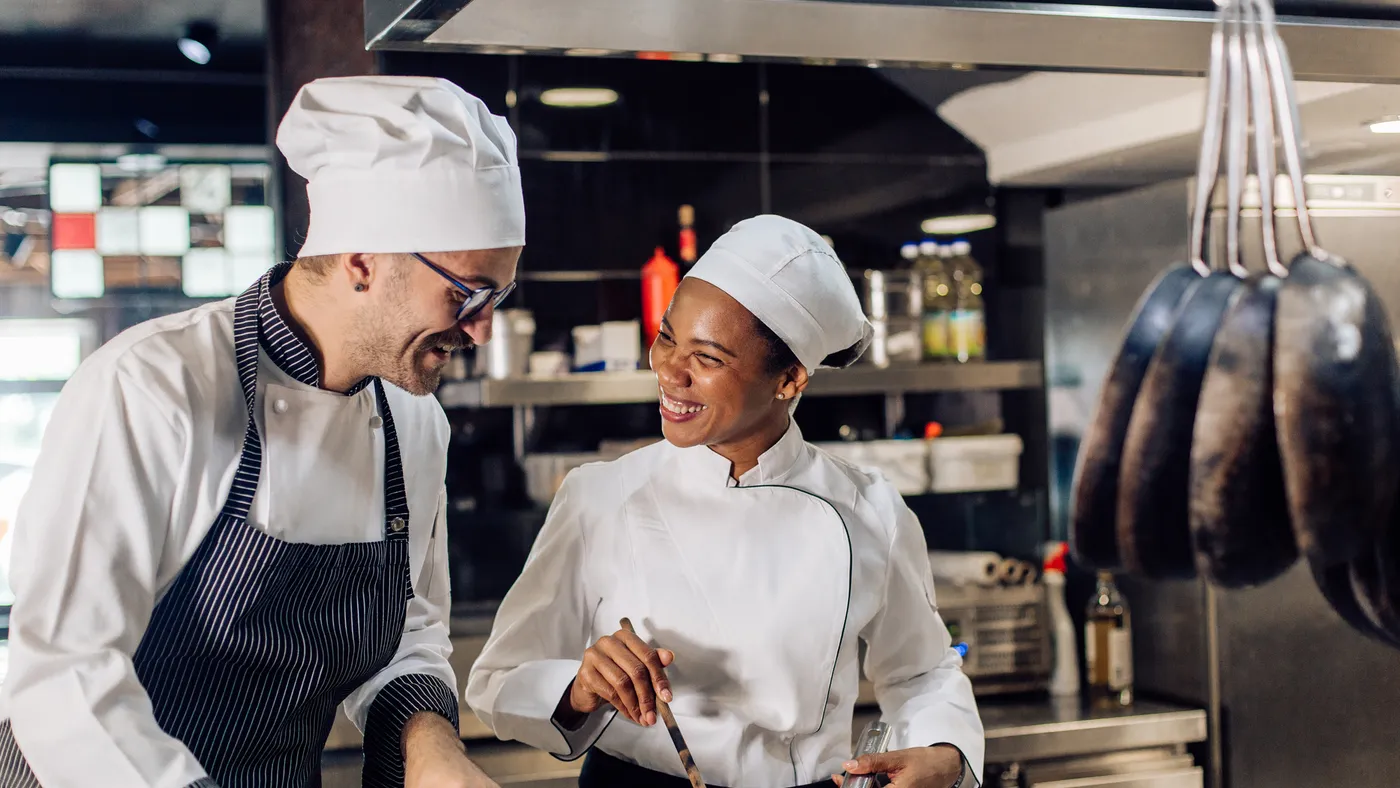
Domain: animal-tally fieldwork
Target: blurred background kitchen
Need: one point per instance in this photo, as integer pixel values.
(1000, 199)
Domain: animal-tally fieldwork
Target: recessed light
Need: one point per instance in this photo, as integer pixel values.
(1386, 125)
(197, 43)
(578, 97)
(957, 225)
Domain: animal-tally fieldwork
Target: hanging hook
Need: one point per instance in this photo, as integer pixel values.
(1208, 164)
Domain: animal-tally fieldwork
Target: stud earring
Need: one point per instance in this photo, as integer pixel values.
(782, 396)
(359, 288)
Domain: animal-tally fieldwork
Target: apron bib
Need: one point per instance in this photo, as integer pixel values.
(258, 641)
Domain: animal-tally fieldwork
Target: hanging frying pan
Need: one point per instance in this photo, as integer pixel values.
(1335, 401)
(1238, 511)
(1154, 537)
(1094, 490)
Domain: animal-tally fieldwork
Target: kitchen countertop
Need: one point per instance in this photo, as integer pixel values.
(1015, 731)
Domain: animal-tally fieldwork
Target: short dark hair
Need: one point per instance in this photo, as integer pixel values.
(781, 357)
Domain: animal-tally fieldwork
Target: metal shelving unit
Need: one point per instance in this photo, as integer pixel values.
(602, 388)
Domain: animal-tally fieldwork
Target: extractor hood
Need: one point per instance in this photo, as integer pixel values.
(1340, 40)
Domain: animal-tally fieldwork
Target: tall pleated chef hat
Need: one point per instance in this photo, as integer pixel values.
(789, 278)
(402, 164)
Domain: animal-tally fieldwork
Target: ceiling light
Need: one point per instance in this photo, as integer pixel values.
(197, 43)
(1386, 125)
(141, 162)
(957, 225)
(578, 97)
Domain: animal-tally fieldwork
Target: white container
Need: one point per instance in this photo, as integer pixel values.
(905, 463)
(549, 364)
(622, 345)
(974, 463)
(588, 348)
(850, 451)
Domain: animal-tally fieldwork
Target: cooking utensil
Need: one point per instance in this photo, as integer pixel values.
(1238, 510)
(1094, 490)
(873, 740)
(692, 772)
(1334, 376)
(1153, 526)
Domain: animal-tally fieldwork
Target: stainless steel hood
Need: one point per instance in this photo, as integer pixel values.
(1328, 39)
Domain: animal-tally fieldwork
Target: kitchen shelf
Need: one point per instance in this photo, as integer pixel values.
(603, 388)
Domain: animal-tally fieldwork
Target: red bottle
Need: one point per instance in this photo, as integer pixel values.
(660, 276)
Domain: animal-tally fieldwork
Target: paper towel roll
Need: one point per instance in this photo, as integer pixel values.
(965, 567)
(1013, 572)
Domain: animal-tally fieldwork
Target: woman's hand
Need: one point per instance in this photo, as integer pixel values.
(918, 767)
(621, 669)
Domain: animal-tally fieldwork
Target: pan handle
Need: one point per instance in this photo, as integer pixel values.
(1290, 126)
(1264, 141)
(1208, 165)
(1237, 146)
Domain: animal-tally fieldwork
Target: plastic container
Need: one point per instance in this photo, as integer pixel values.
(974, 463)
(903, 462)
(622, 345)
(1064, 676)
(588, 348)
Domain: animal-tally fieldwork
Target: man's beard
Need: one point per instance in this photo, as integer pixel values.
(377, 349)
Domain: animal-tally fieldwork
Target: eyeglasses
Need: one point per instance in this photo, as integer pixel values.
(477, 297)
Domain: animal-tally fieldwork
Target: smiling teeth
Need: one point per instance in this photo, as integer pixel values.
(676, 407)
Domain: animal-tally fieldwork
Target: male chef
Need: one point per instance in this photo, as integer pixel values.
(236, 523)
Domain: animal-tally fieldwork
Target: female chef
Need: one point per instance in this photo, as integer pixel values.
(751, 564)
(235, 524)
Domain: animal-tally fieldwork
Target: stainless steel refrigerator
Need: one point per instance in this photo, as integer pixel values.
(1294, 696)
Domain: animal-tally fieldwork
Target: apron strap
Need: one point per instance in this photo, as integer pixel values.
(245, 479)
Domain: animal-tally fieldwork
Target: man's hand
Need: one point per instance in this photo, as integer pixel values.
(433, 756)
(918, 767)
(621, 669)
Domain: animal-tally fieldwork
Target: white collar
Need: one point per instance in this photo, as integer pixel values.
(707, 466)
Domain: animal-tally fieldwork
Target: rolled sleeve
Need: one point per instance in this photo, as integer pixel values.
(393, 707)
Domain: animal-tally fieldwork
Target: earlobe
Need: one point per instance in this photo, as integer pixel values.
(360, 269)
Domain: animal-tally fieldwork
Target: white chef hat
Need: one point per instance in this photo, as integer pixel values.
(790, 279)
(402, 164)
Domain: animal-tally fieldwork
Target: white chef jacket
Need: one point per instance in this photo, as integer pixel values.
(762, 589)
(135, 466)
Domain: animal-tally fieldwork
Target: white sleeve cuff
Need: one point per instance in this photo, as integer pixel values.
(525, 705)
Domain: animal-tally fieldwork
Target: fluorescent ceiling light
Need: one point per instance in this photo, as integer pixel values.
(141, 162)
(1389, 125)
(578, 97)
(957, 225)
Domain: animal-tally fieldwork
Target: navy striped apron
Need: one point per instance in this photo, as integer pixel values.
(258, 641)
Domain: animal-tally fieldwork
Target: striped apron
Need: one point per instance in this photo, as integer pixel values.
(258, 641)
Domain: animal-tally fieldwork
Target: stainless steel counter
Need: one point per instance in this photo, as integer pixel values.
(1016, 732)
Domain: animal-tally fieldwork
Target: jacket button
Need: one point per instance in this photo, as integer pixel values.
(375, 422)
(280, 406)
(396, 525)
